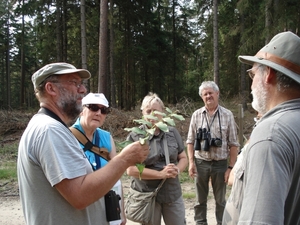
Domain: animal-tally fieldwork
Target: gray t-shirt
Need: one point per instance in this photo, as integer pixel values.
(269, 176)
(49, 153)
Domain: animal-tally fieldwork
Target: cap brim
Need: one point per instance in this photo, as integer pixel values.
(84, 74)
(96, 103)
(250, 60)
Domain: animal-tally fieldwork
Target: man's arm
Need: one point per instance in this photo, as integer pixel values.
(234, 145)
(237, 165)
(82, 191)
(192, 167)
(233, 156)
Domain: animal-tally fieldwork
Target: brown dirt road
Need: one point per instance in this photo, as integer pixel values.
(11, 209)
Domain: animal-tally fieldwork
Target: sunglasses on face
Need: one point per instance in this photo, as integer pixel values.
(95, 108)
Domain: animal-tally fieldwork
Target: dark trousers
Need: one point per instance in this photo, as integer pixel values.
(215, 171)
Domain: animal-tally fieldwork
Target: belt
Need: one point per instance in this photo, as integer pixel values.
(214, 161)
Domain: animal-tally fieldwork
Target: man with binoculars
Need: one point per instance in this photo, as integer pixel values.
(212, 139)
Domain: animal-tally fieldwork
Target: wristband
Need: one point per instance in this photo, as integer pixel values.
(230, 167)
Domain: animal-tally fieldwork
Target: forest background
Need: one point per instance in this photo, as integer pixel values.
(132, 47)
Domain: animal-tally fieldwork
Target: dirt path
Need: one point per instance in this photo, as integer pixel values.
(11, 212)
(11, 209)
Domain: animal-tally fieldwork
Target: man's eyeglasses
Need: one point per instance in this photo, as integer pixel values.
(250, 73)
(77, 84)
(95, 108)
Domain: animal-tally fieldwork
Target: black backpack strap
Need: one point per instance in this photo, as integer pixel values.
(48, 112)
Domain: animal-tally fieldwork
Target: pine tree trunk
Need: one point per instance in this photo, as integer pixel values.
(102, 81)
(83, 35)
(216, 38)
(58, 32)
(22, 62)
(111, 56)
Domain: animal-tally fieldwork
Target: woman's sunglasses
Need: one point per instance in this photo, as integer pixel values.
(95, 108)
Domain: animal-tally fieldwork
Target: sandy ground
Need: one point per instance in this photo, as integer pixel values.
(11, 209)
(11, 212)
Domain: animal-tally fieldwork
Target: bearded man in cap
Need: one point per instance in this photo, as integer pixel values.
(271, 166)
(56, 181)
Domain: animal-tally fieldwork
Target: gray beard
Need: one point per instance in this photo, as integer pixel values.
(259, 102)
(68, 104)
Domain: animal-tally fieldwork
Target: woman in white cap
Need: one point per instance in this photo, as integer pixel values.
(93, 115)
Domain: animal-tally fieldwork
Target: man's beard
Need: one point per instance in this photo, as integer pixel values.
(68, 104)
(259, 102)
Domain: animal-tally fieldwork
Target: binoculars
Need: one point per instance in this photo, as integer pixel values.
(204, 141)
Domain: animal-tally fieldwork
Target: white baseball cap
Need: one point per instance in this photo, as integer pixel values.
(95, 98)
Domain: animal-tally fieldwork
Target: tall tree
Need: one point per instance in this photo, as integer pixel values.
(243, 87)
(59, 36)
(268, 20)
(7, 66)
(216, 42)
(111, 54)
(8, 17)
(174, 70)
(22, 60)
(83, 35)
(103, 43)
(64, 30)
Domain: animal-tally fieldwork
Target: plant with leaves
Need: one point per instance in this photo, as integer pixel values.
(162, 124)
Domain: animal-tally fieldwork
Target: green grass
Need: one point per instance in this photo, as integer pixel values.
(8, 162)
(8, 170)
(9, 151)
(184, 177)
(189, 195)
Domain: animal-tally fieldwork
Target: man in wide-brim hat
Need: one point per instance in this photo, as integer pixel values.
(268, 179)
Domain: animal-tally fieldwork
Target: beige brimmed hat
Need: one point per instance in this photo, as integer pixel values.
(282, 53)
(56, 69)
(95, 98)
